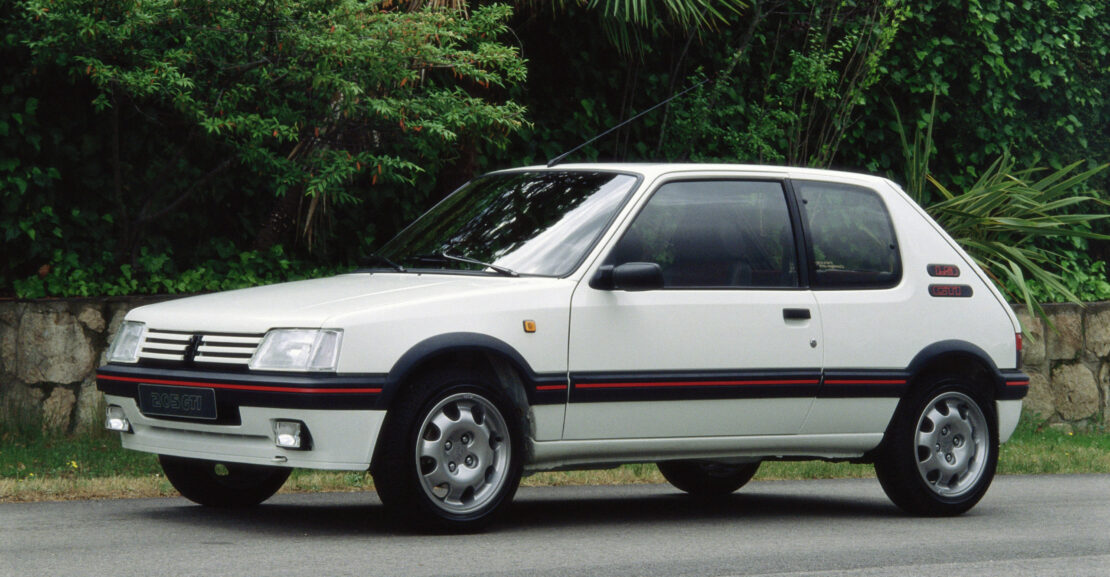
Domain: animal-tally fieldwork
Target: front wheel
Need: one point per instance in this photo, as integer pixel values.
(222, 484)
(942, 450)
(707, 478)
(451, 454)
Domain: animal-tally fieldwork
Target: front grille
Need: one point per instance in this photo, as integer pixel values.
(213, 349)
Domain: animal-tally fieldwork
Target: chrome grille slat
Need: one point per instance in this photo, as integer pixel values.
(233, 339)
(168, 336)
(162, 357)
(221, 349)
(205, 350)
(164, 346)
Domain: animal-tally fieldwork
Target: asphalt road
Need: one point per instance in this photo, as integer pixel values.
(1036, 526)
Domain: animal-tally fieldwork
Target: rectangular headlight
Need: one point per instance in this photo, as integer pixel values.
(125, 347)
(298, 350)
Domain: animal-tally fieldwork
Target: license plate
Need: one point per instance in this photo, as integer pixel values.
(188, 402)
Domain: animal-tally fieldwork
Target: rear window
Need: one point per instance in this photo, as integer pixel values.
(851, 236)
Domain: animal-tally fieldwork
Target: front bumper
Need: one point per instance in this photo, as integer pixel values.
(340, 413)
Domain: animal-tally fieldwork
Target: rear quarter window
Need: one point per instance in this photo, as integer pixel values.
(851, 236)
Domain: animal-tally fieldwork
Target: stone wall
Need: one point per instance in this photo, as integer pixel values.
(49, 351)
(1069, 367)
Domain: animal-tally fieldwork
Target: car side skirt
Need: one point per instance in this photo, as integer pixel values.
(569, 454)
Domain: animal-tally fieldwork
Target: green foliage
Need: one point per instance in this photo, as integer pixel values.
(157, 273)
(630, 24)
(31, 454)
(1037, 448)
(1026, 233)
(1083, 276)
(164, 124)
(1028, 77)
(999, 219)
(228, 108)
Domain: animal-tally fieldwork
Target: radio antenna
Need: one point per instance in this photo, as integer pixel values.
(563, 156)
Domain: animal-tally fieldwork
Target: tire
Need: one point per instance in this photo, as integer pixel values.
(707, 478)
(941, 449)
(451, 453)
(226, 485)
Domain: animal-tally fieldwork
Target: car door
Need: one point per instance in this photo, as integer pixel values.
(729, 344)
(872, 328)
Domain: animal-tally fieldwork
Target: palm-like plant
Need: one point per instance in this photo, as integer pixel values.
(1000, 218)
(626, 21)
(1003, 220)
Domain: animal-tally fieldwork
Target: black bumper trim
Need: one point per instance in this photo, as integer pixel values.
(1015, 385)
(234, 389)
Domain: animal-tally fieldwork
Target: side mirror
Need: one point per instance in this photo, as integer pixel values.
(630, 276)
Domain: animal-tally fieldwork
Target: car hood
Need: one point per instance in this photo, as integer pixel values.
(312, 303)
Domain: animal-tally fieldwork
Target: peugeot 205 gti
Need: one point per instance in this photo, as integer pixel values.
(702, 317)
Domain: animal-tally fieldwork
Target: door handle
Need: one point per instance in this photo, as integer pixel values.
(796, 314)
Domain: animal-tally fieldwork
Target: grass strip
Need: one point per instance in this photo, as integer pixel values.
(34, 467)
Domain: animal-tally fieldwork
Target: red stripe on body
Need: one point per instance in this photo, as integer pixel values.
(691, 384)
(304, 390)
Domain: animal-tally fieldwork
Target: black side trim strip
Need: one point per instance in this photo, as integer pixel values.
(626, 387)
(549, 389)
(852, 383)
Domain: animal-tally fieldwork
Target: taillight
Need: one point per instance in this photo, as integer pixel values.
(1018, 346)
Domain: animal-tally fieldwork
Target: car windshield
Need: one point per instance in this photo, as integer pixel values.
(535, 223)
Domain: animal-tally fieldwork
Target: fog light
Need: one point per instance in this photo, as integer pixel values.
(116, 420)
(291, 435)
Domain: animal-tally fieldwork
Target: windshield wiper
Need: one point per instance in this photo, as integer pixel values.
(443, 255)
(496, 268)
(377, 259)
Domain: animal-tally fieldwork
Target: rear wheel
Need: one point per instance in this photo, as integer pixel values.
(223, 484)
(451, 454)
(942, 449)
(707, 478)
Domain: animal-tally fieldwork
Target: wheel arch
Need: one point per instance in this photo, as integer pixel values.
(454, 365)
(957, 357)
(504, 363)
(952, 357)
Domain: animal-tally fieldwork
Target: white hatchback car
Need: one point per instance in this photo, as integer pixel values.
(704, 317)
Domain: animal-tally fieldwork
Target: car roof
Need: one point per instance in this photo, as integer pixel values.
(652, 170)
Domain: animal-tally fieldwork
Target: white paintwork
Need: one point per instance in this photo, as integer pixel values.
(384, 315)
(342, 440)
(702, 418)
(1009, 412)
(548, 422)
(848, 416)
(887, 328)
(693, 330)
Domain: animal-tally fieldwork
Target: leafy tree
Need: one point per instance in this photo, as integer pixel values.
(310, 97)
(1030, 77)
(205, 110)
